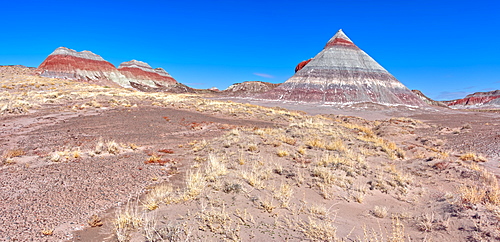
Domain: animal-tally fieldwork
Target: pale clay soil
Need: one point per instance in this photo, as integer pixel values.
(39, 194)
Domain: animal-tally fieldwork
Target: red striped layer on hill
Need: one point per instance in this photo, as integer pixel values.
(342, 73)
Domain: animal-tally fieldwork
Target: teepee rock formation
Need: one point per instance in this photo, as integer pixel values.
(342, 74)
(142, 73)
(82, 66)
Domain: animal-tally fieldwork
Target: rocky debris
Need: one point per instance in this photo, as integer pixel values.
(249, 88)
(479, 99)
(343, 74)
(428, 100)
(142, 73)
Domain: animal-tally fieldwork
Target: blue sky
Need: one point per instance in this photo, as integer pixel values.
(446, 49)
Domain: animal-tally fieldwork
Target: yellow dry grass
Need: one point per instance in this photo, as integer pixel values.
(472, 157)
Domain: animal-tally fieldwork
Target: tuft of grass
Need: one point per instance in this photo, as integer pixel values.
(284, 194)
(47, 232)
(100, 146)
(55, 157)
(95, 221)
(112, 147)
(359, 197)
(380, 211)
(316, 209)
(398, 231)
(319, 230)
(253, 179)
(302, 151)
(288, 140)
(13, 153)
(214, 168)
(282, 153)
(315, 143)
(471, 194)
(426, 222)
(150, 204)
(76, 154)
(267, 205)
(133, 146)
(337, 145)
(125, 221)
(195, 183)
(472, 157)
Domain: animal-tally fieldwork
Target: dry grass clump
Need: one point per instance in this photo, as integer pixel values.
(47, 232)
(426, 222)
(288, 140)
(253, 178)
(195, 183)
(284, 194)
(66, 155)
(315, 143)
(474, 195)
(267, 205)
(319, 230)
(215, 220)
(150, 204)
(95, 221)
(112, 147)
(55, 157)
(390, 148)
(363, 130)
(380, 211)
(13, 153)
(282, 153)
(326, 175)
(126, 220)
(337, 145)
(14, 106)
(484, 191)
(214, 168)
(100, 146)
(472, 157)
(318, 210)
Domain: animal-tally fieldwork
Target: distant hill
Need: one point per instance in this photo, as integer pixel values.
(248, 88)
(477, 100)
(428, 100)
(86, 66)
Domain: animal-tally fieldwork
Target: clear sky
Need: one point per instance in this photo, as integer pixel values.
(446, 49)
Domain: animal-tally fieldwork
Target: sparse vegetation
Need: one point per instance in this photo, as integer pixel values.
(472, 157)
(380, 211)
(252, 182)
(95, 221)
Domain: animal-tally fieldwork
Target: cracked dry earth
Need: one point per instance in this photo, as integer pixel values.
(41, 195)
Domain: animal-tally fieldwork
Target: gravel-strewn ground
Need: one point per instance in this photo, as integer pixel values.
(38, 194)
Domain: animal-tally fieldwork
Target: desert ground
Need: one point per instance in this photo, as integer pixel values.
(81, 162)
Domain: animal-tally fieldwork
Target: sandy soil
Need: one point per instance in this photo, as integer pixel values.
(316, 177)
